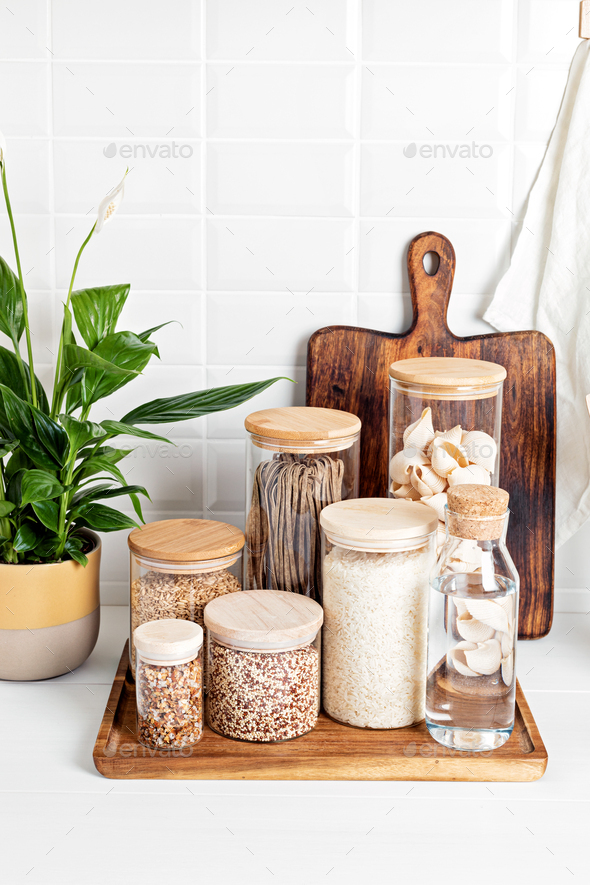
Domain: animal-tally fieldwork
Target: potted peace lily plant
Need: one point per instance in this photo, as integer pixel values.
(58, 468)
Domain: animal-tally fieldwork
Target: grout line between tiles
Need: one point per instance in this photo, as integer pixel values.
(344, 62)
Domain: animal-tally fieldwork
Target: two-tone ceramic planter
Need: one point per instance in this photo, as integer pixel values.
(49, 616)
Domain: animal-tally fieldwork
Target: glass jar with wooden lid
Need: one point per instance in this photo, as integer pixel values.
(377, 557)
(445, 422)
(178, 566)
(264, 665)
(169, 683)
(299, 460)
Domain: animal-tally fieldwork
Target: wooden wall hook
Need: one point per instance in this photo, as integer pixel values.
(585, 19)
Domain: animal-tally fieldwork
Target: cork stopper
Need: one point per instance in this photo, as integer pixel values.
(477, 512)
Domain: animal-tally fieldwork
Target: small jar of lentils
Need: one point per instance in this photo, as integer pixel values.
(169, 683)
(178, 566)
(264, 665)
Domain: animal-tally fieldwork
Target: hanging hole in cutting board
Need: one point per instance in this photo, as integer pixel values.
(431, 262)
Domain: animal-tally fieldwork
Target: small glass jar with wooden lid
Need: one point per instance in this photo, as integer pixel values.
(169, 683)
(179, 565)
(445, 422)
(264, 665)
(299, 460)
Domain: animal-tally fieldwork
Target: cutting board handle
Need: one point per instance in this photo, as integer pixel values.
(431, 292)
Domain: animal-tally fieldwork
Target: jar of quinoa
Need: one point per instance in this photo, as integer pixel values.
(264, 665)
(169, 683)
(178, 566)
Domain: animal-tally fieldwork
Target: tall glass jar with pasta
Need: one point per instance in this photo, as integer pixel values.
(299, 460)
(445, 423)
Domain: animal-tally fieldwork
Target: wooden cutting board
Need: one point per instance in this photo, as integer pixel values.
(329, 752)
(348, 368)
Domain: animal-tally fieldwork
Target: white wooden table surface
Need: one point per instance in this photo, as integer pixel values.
(61, 822)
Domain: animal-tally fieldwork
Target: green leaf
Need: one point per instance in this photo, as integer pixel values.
(47, 546)
(137, 506)
(123, 350)
(193, 405)
(18, 461)
(80, 433)
(67, 333)
(20, 418)
(114, 428)
(105, 490)
(89, 492)
(36, 485)
(102, 518)
(48, 514)
(7, 446)
(97, 464)
(97, 492)
(76, 357)
(11, 377)
(12, 321)
(52, 437)
(74, 548)
(6, 507)
(26, 538)
(112, 455)
(13, 489)
(144, 336)
(97, 311)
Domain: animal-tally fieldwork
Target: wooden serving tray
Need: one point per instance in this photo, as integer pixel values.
(329, 752)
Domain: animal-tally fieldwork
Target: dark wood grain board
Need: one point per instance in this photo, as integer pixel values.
(329, 752)
(347, 368)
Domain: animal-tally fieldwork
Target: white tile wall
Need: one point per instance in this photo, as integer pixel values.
(281, 156)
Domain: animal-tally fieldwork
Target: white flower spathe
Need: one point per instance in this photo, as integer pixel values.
(110, 204)
(2, 147)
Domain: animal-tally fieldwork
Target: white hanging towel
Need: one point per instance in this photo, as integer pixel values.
(547, 287)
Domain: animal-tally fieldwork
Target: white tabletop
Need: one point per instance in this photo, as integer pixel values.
(61, 822)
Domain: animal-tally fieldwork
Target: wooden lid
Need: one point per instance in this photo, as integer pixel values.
(477, 500)
(375, 521)
(169, 639)
(302, 423)
(186, 540)
(447, 372)
(264, 617)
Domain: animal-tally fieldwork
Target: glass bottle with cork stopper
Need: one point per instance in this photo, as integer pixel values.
(473, 625)
(299, 460)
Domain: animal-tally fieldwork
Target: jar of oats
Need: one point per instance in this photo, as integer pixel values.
(169, 683)
(264, 665)
(178, 566)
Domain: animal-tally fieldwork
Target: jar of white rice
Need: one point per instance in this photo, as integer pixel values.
(376, 559)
